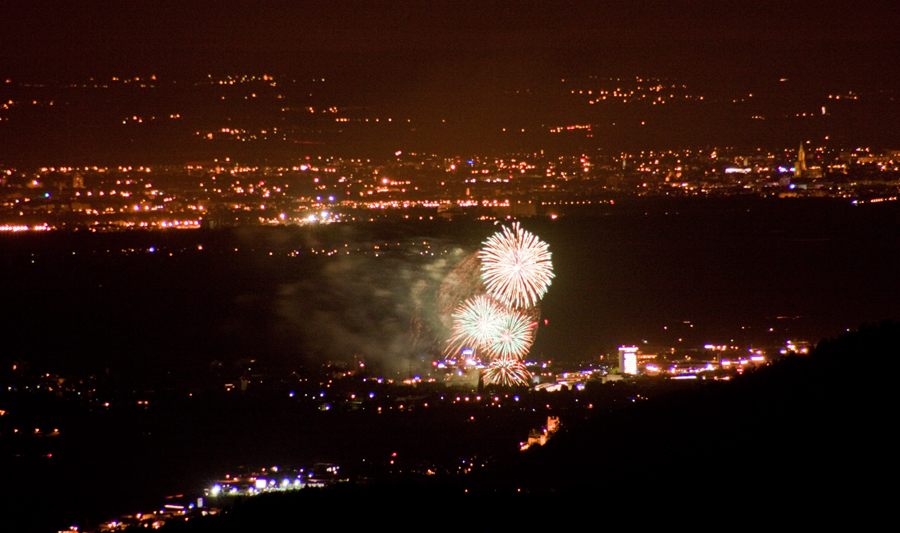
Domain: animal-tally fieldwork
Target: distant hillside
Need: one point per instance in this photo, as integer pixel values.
(799, 436)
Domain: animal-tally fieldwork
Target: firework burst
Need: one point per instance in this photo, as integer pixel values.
(506, 372)
(476, 323)
(516, 267)
(513, 338)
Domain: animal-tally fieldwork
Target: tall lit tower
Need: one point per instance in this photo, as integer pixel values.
(800, 165)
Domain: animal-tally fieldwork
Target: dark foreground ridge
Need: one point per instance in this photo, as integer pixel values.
(811, 439)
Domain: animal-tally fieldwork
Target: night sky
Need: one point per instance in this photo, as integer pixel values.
(731, 40)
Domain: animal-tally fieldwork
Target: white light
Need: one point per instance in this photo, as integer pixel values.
(630, 363)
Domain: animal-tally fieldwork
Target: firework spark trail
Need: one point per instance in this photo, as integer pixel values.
(516, 267)
(506, 372)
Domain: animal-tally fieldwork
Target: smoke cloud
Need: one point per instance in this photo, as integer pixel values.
(377, 307)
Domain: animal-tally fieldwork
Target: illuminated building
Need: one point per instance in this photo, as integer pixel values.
(802, 170)
(462, 370)
(628, 359)
(541, 437)
(800, 164)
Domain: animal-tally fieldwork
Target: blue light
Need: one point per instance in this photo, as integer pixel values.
(471, 161)
(46, 195)
(468, 351)
(792, 186)
(152, 249)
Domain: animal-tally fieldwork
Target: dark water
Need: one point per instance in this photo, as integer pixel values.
(734, 269)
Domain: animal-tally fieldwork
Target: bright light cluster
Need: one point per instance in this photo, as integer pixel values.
(16, 228)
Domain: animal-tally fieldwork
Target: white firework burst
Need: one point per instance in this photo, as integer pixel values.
(516, 267)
